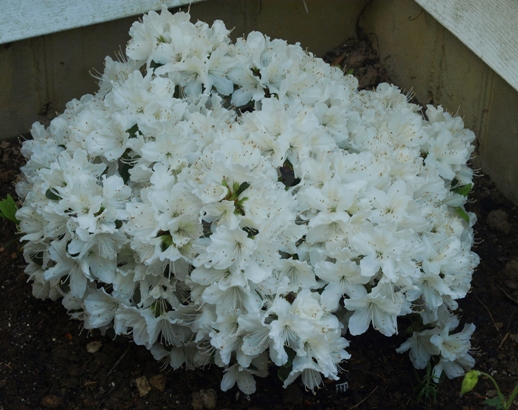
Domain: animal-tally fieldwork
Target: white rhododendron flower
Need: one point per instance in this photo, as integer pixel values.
(243, 204)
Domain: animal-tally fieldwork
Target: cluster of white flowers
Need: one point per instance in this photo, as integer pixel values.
(244, 204)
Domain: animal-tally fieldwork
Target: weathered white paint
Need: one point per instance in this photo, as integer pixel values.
(20, 19)
(489, 28)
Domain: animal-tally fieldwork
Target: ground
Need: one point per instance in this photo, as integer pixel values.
(48, 362)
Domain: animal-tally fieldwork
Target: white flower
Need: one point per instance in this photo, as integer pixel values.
(140, 323)
(239, 202)
(226, 334)
(42, 288)
(244, 376)
(168, 149)
(32, 224)
(333, 197)
(212, 192)
(256, 338)
(421, 349)
(308, 369)
(223, 213)
(453, 369)
(391, 207)
(228, 248)
(110, 139)
(373, 307)
(288, 329)
(328, 227)
(453, 346)
(343, 278)
(217, 68)
(223, 278)
(100, 308)
(386, 250)
(307, 305)
(67, 267)
(230, 299)
(440, 154)
(300, 275)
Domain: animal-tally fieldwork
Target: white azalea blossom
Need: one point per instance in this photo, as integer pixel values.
(375, 308)
(243, 204)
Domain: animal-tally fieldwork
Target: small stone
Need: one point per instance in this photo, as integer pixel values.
(94, 346)
(204, 399)
(51, 402)
(497, 220)
(196, 402)
(158, 382)
(491, 393)
(143, 385)
(209, 398)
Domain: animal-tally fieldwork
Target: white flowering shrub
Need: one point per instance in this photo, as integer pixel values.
(244, 204)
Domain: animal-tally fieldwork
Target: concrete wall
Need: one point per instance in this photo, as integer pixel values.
(420, 54)
(39, 76)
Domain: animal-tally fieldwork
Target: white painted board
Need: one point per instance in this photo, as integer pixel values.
(488, 27)
(20, 19)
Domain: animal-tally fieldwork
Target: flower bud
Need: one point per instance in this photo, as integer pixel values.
(469, 382)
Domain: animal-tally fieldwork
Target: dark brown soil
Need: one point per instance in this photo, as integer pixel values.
(48, 362)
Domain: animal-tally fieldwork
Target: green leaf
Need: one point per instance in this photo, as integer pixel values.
(241, 189)
(125, 163)
(463, 190)
(154, 64)
(178, 92)
(251, 232)
(495, 402)
(462, 213)
(167, 240)
(124, 172)
(8, 209)
(50, 194)
(133, 131)
(37, 258)
(284, 372)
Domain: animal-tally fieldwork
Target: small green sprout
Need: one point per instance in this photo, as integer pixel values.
(499, 402)
(427, 385)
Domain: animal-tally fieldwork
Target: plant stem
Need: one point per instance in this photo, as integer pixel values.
(500, 395)
(511, 398)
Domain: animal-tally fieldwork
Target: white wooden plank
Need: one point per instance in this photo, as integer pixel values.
(489, 28)
(20, 19)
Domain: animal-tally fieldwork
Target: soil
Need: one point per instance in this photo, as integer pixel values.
(47, 361)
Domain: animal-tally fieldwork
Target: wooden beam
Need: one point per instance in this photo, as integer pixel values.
(20, 19)
(488, 28)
